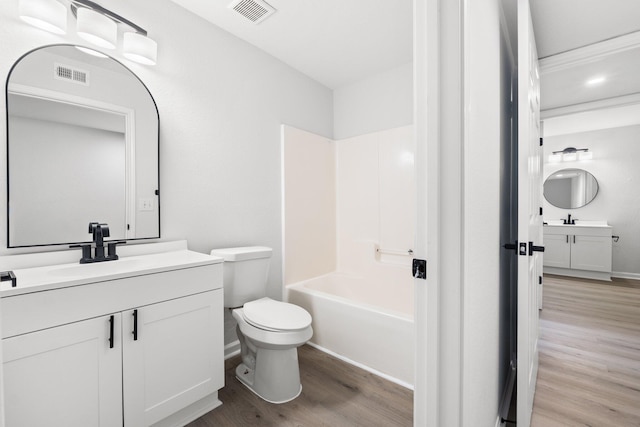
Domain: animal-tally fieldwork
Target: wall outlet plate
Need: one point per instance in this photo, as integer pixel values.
(145, 204)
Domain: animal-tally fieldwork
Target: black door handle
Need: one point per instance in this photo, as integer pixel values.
(533, 248)
(111, 322)
(511, 246)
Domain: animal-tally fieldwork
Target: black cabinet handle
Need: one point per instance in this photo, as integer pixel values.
(135, 325)
(533, 248)
(111, 322)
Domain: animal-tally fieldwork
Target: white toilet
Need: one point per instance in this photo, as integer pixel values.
(269, 331)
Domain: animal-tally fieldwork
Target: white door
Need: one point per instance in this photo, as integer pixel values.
(68, 376)
(171, 361)
(529, 218)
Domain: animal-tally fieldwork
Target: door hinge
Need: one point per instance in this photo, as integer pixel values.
(541, 141)
(541, 210)
(539, 280)
(419, 270)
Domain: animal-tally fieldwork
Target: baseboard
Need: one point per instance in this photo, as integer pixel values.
(361, 366)
(191, 412)
(231, 349)
(623, 275)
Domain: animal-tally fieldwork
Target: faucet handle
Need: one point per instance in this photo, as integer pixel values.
(86, 253)
(105, 229)
(111, 249)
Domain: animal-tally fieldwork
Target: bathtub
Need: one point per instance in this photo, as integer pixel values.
(366, 322)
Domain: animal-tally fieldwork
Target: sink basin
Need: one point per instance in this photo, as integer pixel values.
(98, 268)
(138, 260)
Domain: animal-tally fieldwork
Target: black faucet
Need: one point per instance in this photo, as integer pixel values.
(569, 220)
(99, 231)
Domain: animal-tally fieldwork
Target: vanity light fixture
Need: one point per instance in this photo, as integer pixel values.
(139, 48)
(91, 52)
(94, 23)
(47, 15)
(570, 154)
(96, 28)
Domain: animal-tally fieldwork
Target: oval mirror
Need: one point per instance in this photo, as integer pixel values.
(570, 188)
(82, 146)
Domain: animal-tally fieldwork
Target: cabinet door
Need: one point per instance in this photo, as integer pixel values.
(557, 251)
(591, 253)
(177, 358)
(67, 376)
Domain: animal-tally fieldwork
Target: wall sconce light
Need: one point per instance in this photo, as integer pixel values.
(95, 24)
(96, 28)
(45, 14)
(570, 154)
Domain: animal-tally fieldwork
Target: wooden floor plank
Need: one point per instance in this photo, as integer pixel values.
(589, 373)
(334, 393)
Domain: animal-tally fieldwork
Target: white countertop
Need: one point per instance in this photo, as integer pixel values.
(50, 277)
(579, 223)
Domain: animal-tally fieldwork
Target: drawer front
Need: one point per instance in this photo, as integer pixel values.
(573, 230)
(39, 310)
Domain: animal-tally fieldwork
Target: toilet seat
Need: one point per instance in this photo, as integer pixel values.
(272, 315)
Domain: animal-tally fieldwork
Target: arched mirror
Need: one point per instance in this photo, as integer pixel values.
(570, 188)
(82, 147)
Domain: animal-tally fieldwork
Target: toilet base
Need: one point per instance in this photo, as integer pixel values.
(247, 377)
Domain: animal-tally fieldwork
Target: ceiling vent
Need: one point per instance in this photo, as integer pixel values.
(255, 11)
(71, 74)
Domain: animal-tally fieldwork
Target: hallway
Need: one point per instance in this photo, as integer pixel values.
(589, 372)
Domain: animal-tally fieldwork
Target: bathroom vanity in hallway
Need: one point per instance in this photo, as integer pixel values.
(579, 250)
(139, 339)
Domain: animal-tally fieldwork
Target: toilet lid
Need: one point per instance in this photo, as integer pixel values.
(269, 314)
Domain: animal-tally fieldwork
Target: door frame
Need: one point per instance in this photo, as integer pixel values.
(438, 69)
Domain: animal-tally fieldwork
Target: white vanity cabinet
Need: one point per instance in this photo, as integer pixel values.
(63, 376)
(579, 251)
(175, 359)
(137, 348)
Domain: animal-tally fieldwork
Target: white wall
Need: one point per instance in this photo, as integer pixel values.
(616, 153)
(376, 201)
(221, 104)
(344, 199)
(309, 212)
(379, 102)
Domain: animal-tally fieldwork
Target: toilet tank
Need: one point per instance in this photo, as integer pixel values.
(245, 273)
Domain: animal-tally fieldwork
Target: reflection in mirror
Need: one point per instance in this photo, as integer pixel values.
(570, 188)
(82, 147)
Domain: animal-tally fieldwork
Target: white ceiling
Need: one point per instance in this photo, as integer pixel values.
(335, 42)
(582, 39)
(563, 25)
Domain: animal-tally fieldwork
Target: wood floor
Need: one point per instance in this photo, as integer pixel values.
(334, 393)
(589, 373)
